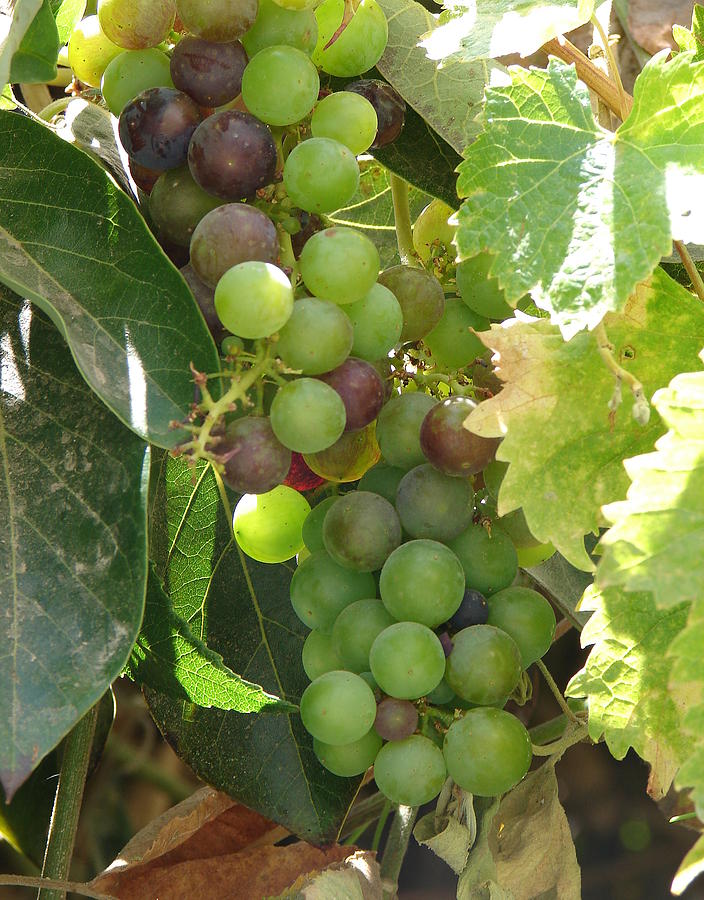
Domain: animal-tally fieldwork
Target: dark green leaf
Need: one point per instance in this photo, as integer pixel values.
(72, 541)
(241, 609)
(74, 243)
(564, 583)
(35, 58)
(169, 658)
(21, 15)
(68, 13)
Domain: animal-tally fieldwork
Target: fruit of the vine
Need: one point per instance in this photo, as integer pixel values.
(420, 296)
(268, 526)
(345, 117)
(395, 719)
(262, 80)
(451, 447)
(473, 610)
(132, 72)
(361, 530)
(452, 342)
(407, 660)
(255, 461)
(377, 321)
(410, 772)
(136, 24)
(352, 454)
(307, 415)
(254, 299)
(156, 127)
(217, 20)
(313, 525)
(320, 175)
(484, 665)
(90, 51)
(389, 106)
(355, 630)
(432, 233)
(362, 391)
(488, 558)
(338, 708)
(177, 204)
(479, 291)
(349, 46)
(321, 589)
(433, 505)
(349, 759)
(317, 338)
(209, 72)
(528, 617)
(318, 654)
(275, 25)
(339, 264)
(398, 429)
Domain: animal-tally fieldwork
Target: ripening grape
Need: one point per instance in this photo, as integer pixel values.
(255, 461)
(268, 526)
(398, 429)
(442, 695)
(410, 772)
(318, 654)
(254, 299)
(349, 759)
(358, 45)
(144, 178)
(338, 708)
(479, 291)
(420, 296)
(389, 106)
(407, 660)
(320, 175)
(452, 341)
(339, 264)
(361, 530)
(362, 391)
(155, 128)
(382, 479)
(262, 81)
(433, 505)
(356, 629)
(348, 458)
(90, 51)
(432, 234)
(345, 117)
(451, 447)
(528, 617)
(484, 665)
(136, 24)
(321, 589)
(177, 204)
(313, 525)
(231, 345)
(217, 20)
(132, 72)
(487, 751)
(395, 719)
(487, 557)
(307, 415)
(210, 73)
(473, 610)
(422, 581)
(275, 25)
(317, 337)
(377, 321)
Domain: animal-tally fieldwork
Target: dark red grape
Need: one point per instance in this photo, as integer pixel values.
(144, 178)
(255, 461)
(395, 719)
(310, 223)
(361, 388)
(389, 106)
(229, 235)
(300, 476)
(210, 73)
(448, 445)
(232, 155)
(205, 298)
(155, 128)
(474, 610)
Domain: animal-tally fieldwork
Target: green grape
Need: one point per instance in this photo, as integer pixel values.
(275, 26)
(296, 4)
(317, 338)
(361, 530)
(420, 296)
(217, 20)
(479, 291)
(339, 264)
(254, 299)
(338, 708)
(177, 204)
(484, 665)
(356, 48)
(232, 345)
(263, 77)
(410, 772)
(493, 476)
(369, 678)
(356, 629)
(377, 321)
(407, 660)
(313, 525)
(132, 72)
(433, 505)
(345, 117)
(268, 526)
(137, 24)
(487, 752)
(307, 415)
(319, 655)
(527, 617)
(488, 558)
(398, 429)
(534, 556)
(382, 479)
(442, 695)
(90, 51)
(349, 759)
(452, 343)
(422, 581)
(320, 590)
(432, 234)
(320, 175)
(302, 556)
(348, 458)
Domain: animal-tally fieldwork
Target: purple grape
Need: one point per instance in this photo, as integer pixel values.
(448, 445)
(156, 127)
(446, 642)
(310, 224)
(395, 719)
(210, 73)
(255, 461)
(232, 155)
(205, 298)
(144, 178)
(361, 388)
(473, 610)
(389, 106)
(229, 235)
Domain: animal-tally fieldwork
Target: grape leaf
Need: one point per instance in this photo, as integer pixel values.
(565, 453)
(68, 13)
(625, 680)
(72, 541)
(169, 658)
(75, 244)
(7, 99)
(576, 215)
(14, 22)
(241, 610)
(692, 38)
(447, 96)
(477, 29)
(35, 59)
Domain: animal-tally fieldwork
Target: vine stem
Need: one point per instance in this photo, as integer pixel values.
(692, 270)
(76, 887)
(379, 830)
(396, 847)
(573, 735)
(67, 804)
(557, 693)
(402, 220)
(613, 67)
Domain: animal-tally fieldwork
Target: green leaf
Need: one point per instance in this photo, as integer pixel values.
(477, 29)
(692, 38)
(241, 610)
(691, 866)
(372, 210)
(659, 530)
(448, 96)
(625, 680)
(578, 216)
(169, 658)
(68, 13)
(73, 542)
(565, 584)
(7, 99)
(35, 59)
(564, 450)
(13, 26)
(76, 245)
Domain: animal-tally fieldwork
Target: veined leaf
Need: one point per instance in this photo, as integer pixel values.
(578, 216)
(564, 450)
(35, 59)
(73, 545)
(241, 610)
(68, 13)
(76, 245)
(14, 22)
